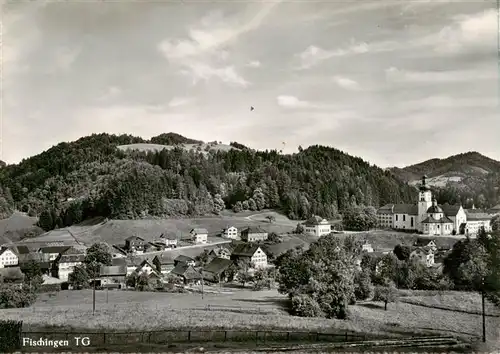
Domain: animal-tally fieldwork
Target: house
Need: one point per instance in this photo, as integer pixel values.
(66, 262)
(147, 267)
(317, 226)
(367, 247)
(53, 251)
(250, 253)
(155, 246)
(215, 270)
(12, 275)
(426, 242)
(220, 252)
(476, 221)
(199, 235)
(254, 234)
(113, 276)
(184, 260)
(424, 255)
(132, 264)
(162, 264)
(135, 244)
(170, 240)
(230, 232)
(8, 258)
(187, 273)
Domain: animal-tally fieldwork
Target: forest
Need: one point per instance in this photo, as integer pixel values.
(92, 177)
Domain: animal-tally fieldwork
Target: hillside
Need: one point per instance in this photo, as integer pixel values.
(127, 177)
(470, 178)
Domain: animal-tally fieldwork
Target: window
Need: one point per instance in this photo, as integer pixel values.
(404, 217)
(396, 217)
(411, 221)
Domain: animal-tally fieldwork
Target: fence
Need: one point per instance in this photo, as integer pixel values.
(92, 339)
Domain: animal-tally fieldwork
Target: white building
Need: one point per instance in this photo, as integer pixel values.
(8, 258)
(317, 226)
(429, 218)
(199, 235)
(367, 247)
(230, 232)
(252, 253)
(169, 240)
(66, 262)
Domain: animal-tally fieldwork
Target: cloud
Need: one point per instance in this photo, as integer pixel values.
(179, 101)
(394, 74)
(467, 32)
(292, 102)
(206, 43)
(204, 72)
(346, 83)
(448, 102)
(254, 64)
(314, 55)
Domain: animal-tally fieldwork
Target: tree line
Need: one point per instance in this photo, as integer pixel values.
(91, 177)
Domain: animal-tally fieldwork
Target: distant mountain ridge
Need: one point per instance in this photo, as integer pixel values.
(462, 165)
(470, 175)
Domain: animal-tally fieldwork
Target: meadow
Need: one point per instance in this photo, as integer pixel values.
(242, 309)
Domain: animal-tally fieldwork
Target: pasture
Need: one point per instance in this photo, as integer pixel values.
(241, 309)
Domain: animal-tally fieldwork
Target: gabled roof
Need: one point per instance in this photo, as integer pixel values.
(450, 210)
(119, 262)
(410, 209)
(182, 258)
(5, 249)
(217, 265)
(246, 250)
(113, 271)
(314, 220)
(134, 238)
(188, 272)
(219, 250)
(54, 249)
(133, 262)
(168, 236)
(477, 216)
(443, 220)
(199, 231)
(72, 258)
(229, 227)
(163, 260)
(421, 242)
(254, 230)
(23, 250)
(386, 209)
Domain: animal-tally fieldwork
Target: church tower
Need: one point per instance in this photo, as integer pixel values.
(424, 203)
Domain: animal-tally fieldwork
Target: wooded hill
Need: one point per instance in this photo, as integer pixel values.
(92, 177)
(468, 178)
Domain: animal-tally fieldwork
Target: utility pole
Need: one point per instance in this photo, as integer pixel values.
(202, 292)
(482, 305)
(93, 297)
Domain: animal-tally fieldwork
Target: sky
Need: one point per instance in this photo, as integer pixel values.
(393, 82)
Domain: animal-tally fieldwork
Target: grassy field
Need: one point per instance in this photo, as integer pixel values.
(116, 231)
(128, 310)
(454, 301)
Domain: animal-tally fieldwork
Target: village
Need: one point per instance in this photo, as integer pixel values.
(223, 259)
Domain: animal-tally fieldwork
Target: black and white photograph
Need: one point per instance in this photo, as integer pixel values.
(246, 176)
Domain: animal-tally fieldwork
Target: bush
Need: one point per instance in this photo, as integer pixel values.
(362, 285)
(13, 297)
(306, 306)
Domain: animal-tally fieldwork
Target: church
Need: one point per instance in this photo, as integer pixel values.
(429, 218)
